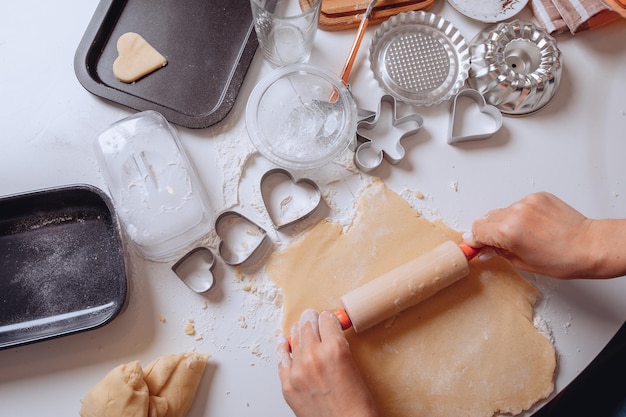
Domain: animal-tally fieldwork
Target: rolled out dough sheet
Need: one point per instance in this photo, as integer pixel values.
(470, 350)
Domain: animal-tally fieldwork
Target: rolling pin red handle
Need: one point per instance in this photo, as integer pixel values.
(343, 318)
(470, 252)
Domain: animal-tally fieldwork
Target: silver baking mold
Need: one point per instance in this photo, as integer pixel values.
(195, 269)
(458, 133)
(516, 66)
(419, 58)
(371, 150)
(241, 239)
(288, 200)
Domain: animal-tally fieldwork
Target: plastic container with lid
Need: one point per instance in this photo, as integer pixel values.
(160, 201)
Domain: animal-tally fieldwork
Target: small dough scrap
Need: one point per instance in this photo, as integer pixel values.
(166, 388)
(136, 58)
(122, 393)
(190, 328)
(174, 378)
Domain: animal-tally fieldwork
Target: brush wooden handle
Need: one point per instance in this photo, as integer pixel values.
(406, 285)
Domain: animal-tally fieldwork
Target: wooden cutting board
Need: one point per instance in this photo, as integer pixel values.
(347, 14)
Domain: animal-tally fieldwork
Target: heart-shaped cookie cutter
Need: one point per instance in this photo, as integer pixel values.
(241, 239)
(454, 136)
(291, 208)
(195, 269)
(366, 156)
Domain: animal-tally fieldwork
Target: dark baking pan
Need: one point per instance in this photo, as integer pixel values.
(208, 45)
(62, 266)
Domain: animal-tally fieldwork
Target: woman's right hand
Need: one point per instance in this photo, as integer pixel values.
(543, 234)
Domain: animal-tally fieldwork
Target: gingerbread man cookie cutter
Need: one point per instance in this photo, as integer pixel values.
(372, 149)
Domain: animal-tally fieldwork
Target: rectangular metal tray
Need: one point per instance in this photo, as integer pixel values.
(208, 45)
(62, 264)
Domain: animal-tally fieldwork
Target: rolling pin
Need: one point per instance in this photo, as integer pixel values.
(405, 286)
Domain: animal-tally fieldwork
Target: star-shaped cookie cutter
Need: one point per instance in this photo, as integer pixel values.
(368, 155)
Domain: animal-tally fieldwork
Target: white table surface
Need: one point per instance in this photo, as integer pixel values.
(574, 148)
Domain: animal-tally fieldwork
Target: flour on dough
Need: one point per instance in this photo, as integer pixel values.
(470, 350)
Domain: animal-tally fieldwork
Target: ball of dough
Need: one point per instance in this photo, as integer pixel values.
(122, 393)
(166, 388)
(172, 381)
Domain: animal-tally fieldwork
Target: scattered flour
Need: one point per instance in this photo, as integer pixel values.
(544, 327)
(234, 153)
(260, 314)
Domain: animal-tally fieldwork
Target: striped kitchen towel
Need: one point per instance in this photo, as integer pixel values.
(548, 16)
(557, 16)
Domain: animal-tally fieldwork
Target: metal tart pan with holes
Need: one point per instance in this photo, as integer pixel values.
(419, 58)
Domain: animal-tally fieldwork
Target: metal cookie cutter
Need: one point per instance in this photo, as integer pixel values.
(375, 143)
(241, 238)
(286, 199)
(195, 269)
(490, 119)
(362, 115)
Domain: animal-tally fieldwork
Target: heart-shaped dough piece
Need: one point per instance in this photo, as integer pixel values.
(136, 58)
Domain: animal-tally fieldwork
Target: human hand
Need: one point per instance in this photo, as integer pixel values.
(539, 233)
(319, 377)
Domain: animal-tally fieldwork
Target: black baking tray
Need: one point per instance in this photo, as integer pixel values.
(62, 267)
(209, 46)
